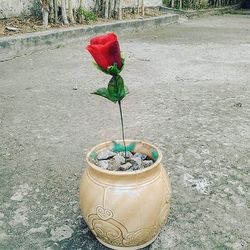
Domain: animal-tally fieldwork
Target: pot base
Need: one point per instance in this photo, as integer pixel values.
(127, 248)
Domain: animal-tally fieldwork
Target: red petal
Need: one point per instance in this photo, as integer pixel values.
(94, 50)
(105, 50)
(103, 39)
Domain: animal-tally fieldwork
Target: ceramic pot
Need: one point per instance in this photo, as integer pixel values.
(125, 210)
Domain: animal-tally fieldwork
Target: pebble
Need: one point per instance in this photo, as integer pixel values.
(104, 155)
(147, 163)
(135, 167)
(125, 166)
(103, 164)
(11, 28)
(128, 154)
(113, 165)
(136, 163)
(238, 105)
(119, 159)
(142, 156)
(112, 161)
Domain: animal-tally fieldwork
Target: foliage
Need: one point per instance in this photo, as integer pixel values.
(36, 9)
(167, 2)
(116, 90)
(199, 4)
(88, 16)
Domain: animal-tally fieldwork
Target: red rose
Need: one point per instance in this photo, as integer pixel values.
(105, 50)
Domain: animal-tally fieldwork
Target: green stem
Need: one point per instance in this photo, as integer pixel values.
(123, 134)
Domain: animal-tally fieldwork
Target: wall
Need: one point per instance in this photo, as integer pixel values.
(148, 3)
(11, 8)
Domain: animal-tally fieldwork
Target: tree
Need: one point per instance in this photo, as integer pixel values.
(71, 14)
(45, 12)
(64, 13)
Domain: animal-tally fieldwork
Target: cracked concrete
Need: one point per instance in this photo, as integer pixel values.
(189, 95)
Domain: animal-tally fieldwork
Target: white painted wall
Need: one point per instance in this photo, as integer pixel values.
(11, 8)
(147, 3)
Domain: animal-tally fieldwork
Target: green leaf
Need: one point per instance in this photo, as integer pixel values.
(121, 87)
(113, 90)
(117, 147)
(113, 70)
(104, 93)
(123, 61)
(116, 88)
(154, 155)
(93, 155)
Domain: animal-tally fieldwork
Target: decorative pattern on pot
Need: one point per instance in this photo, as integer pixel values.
(109, 230)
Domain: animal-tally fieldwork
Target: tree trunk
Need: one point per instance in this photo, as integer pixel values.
(106, 10)
(81, 6)
(113, 5)
(55, 5)
(45, 12)
(172, 3)
(110, 9)
(115, 9)
(45, 18)
(51, 12)
(138, 7)
(120, 10)
(71, 15)
(142, 8)
(180, 4)
(96, 6)
(64, 13)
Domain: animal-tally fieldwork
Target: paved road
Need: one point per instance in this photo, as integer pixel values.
(190, 95)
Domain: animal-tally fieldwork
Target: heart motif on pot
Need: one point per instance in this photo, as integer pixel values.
(103, 213)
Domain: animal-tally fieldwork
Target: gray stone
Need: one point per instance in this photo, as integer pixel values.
(104, 155)
(11, 28)
(125, 166)
(136, 163)
(113, 165)
(103, 164)
(147, 163)
(119, 159)
(136, 167)
(128, 154)
(142, 156)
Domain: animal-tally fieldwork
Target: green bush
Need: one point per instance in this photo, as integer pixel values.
(36, 9)
(88, 16)
(167, 3)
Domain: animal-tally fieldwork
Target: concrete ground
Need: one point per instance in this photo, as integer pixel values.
(189, 94)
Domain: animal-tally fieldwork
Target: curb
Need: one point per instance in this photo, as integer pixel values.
(202, 12)
(11, 47)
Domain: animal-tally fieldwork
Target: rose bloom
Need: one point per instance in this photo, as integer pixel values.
(105, 50)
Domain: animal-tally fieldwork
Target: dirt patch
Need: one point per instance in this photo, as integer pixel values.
(19, 25)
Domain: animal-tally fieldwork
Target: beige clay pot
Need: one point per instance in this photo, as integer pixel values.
(125, 210)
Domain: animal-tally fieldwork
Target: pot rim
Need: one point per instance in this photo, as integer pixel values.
(124, 173)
